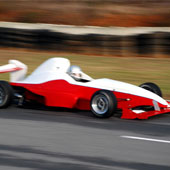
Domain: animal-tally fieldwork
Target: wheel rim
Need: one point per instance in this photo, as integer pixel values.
(100, 104)
(2, 95)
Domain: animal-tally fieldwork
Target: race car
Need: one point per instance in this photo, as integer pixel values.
(57, 83)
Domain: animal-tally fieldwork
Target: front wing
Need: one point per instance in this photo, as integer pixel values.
(138, 114)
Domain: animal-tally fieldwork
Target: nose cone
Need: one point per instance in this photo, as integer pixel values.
(127, 88)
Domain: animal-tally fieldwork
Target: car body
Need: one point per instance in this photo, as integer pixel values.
(52, 85)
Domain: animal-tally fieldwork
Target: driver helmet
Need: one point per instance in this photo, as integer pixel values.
(75, 72)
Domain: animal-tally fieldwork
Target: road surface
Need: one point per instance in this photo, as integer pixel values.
(57, 139)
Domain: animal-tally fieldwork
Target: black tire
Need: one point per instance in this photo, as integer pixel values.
(103, 104)
(152, 87)
(6, 94)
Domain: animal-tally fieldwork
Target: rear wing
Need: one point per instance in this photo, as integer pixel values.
(17, 70)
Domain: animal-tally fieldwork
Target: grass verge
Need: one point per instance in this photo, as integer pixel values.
(131, 70)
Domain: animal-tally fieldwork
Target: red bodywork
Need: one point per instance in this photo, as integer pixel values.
(60, 93)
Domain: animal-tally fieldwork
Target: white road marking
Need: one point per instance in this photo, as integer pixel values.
(147, 139)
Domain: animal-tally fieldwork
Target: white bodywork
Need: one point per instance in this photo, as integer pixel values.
(57, 69)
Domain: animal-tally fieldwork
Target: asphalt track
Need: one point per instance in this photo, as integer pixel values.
(57, 139)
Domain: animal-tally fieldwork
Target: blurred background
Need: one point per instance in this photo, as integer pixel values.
(130, 38)
(128, 13)
(144, 26)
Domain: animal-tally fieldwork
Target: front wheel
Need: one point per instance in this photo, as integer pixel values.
(152, 87)
(6, 94)
(103, 104)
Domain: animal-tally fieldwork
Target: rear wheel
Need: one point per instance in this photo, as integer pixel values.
(152, 87)
(6, 94)
(103, 104)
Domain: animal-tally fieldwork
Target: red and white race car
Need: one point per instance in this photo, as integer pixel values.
(58, 84)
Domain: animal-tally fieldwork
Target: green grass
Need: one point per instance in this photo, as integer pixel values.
(131, 70)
